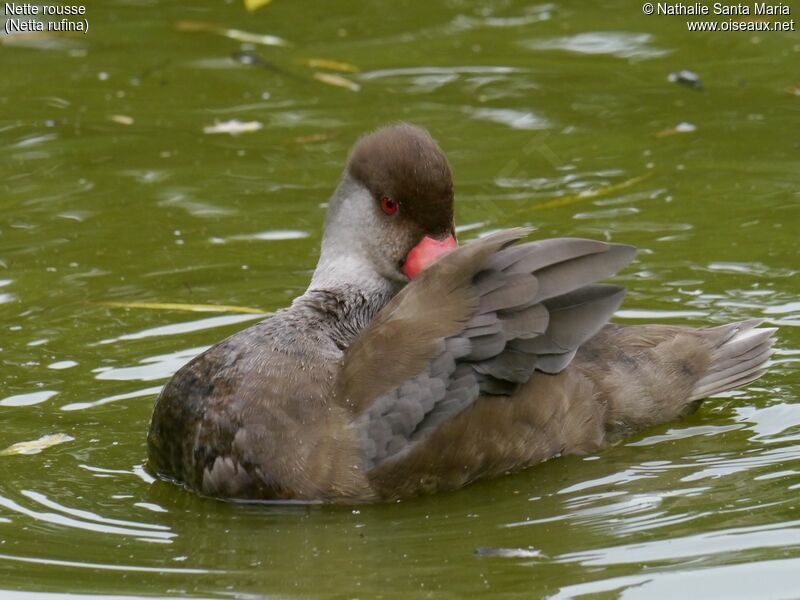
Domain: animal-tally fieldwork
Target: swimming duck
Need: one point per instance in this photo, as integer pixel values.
(411, 366)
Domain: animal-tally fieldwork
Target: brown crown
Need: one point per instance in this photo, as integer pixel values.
(404, 163)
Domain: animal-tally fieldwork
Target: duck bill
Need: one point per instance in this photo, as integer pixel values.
(428, 251)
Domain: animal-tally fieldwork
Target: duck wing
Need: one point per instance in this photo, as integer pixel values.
(478, 321)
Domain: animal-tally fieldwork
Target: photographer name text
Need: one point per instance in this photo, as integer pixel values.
(719, 8)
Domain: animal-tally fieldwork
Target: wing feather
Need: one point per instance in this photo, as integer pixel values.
(478, 321)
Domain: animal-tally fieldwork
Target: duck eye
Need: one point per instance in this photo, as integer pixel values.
(388, 205)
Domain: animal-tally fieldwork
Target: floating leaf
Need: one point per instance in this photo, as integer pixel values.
(233, 127)
(212, 308)
(254, 38)
(195, 26)
(121, 119)
(590, 194)
(679, 128)
(311, 139)
(36, 446)
(252, 5)
(686, 77)
(337, 81)
(234, 34)
(330, 65)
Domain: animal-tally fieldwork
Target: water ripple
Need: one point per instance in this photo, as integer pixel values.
(28, 399)
(380, 74)
(103, 567)
(762, 579)
(514, 119)
(614, 43)
(150, 391)
(739, 539)
(185, 327)
(151, 368)
(85, 520)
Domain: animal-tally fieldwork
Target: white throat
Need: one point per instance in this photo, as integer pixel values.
(340, 269)
(345, 260)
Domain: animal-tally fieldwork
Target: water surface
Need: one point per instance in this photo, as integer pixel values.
(114, 189)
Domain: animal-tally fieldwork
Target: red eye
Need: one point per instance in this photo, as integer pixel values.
(388, 205)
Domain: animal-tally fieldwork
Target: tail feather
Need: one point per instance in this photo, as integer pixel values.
(740, 356)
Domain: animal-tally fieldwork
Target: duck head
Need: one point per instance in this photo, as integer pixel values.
(392, 213)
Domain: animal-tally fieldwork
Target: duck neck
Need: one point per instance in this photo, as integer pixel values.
(347, 289)
(345, 294)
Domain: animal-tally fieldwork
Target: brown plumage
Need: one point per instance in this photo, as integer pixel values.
(496, 357)
(405, 163)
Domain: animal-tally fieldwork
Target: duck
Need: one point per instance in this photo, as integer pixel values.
(413, 365)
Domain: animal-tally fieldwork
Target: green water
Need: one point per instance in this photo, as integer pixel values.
(110, 191)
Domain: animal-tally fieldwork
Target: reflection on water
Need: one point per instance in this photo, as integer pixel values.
(81, 519)
(99, 566)
(152, 368)
(730, 540)
(183, 328)
(269, 236)
(765, 579)
(196, 208)
(28, 399)
(512, 118)
(119, 212)
(619, 44)
(146, 392)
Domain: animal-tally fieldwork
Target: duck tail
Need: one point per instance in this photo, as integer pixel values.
(740, 355)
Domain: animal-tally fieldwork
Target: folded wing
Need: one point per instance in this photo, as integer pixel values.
(478, 321)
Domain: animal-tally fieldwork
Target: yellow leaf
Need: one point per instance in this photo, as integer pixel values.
(252, 5)
(679, 128)
(195, 26)
(121, 119)
(212, 308)
(330, 65)
(590, 194)
(253, 38)
(311, 138)
(234, 34)
(36, 446)
(337, 81)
